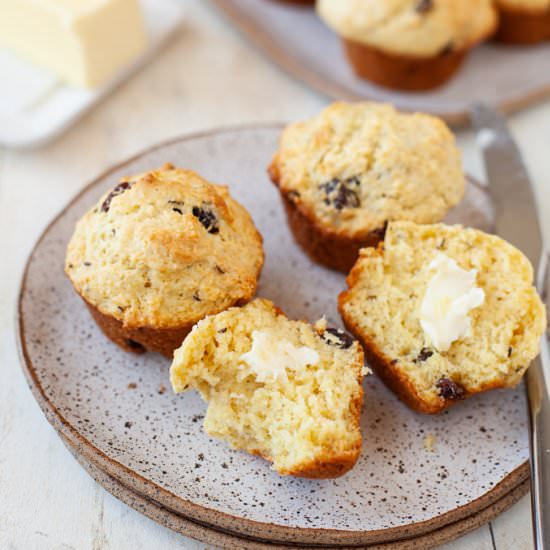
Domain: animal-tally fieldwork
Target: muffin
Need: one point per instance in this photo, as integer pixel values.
(158, 253)
(348, 171)
(285, 390)
(444, 312)
(409, 44)
(523, 21)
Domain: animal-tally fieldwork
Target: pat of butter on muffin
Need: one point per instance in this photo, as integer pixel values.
(450, 296)
(269, 357)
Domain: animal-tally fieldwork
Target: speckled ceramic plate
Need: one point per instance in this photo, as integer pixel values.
(297, 40)
(228, 541)
(118, 413)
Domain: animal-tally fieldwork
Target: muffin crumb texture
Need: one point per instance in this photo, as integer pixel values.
(430, 442)
(277, 388)
(383, 303)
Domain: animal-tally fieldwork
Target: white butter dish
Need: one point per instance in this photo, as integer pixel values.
(36, 107)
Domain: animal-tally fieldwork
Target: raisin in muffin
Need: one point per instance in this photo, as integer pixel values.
(158, 253)
(347, 172)
(523, 21)
(444, 312)
(281, 389)
(408, 44)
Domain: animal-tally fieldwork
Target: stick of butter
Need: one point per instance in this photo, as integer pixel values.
(84, 42)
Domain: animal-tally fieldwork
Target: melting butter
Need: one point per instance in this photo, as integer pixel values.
(270, 357)
(450, 297)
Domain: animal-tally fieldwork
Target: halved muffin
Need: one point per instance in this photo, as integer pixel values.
(444, 312)
(278, 388)
(158, 253)
(344, 174)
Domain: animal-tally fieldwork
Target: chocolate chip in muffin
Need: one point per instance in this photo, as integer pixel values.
(424, 355)
(449, 389)
(118, 190)
(341, 193)
(219, 269)
(424, 6)
(207, 218)
(338, 338)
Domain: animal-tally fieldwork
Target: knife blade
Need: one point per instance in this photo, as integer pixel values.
(517, 221)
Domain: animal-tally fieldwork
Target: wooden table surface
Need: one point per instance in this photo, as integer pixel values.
(207, 77)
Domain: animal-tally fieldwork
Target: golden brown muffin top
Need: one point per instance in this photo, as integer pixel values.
(416, 28)
(356, 166)
(163, 249)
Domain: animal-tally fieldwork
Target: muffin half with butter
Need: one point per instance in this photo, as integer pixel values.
(444, 312)
(282, 389)
(158, 253)
(409, 44)
(344, 174)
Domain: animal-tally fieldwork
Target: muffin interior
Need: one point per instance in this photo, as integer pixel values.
(304, 419)
(388, 284)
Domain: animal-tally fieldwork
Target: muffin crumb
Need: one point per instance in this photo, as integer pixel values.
(430, 442)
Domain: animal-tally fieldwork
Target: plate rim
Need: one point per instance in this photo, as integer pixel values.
(188, 527)
(319, 83)
(211, 518)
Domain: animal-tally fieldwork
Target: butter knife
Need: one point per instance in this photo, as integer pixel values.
(517, 221)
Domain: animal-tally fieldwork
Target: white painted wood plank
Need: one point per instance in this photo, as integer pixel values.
(512, 530)
(207, 77)
(476, 540)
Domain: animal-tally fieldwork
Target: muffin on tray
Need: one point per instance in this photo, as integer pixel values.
(158, 253)
(285, 390)
(523, 21)
(409, 44)
(345, 173)
(444, 312)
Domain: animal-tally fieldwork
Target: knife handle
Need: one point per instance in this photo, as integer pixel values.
(539, 417)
